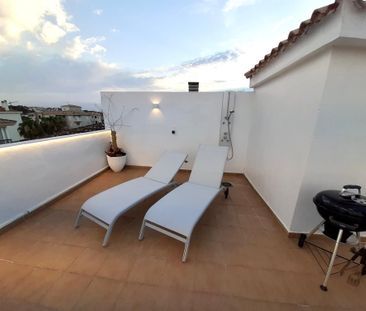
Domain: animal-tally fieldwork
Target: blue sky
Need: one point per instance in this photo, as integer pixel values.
(55, 51)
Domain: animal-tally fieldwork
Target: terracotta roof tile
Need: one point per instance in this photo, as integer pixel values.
(294, 35)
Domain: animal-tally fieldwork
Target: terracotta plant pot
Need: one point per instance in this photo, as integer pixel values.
(117, 163)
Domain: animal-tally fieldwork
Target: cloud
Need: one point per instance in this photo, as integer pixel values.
(219, 71)
(78, 47)
(114, 30)
(51, 33)
(56, 79)
(214, 59)
(98, 12)
(205, 6)
(211, 59)
(43, 61)
(231, 5)
(44, 20)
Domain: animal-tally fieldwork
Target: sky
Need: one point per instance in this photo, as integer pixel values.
(54, 52)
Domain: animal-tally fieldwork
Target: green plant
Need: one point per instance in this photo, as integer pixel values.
(32, 129)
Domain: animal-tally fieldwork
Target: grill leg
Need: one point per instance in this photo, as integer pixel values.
(226, 192)
(331, 263)
(315, 229)
(304, 236)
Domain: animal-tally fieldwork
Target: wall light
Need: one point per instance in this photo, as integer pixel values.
(155, 102)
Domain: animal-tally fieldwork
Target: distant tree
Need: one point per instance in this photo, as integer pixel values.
(23, 109)
(30, 129)
(52, 125)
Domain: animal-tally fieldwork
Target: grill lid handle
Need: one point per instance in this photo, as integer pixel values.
(342, 225)
(348, 194)
(352, 187)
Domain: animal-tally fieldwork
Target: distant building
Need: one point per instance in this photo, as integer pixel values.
(74, 116)
(71, 108)
(9, 123)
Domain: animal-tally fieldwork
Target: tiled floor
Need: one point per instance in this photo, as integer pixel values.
(240, 259)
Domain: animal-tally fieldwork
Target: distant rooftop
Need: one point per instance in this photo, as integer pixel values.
(71, 113)
(69, 105)
(6, 122)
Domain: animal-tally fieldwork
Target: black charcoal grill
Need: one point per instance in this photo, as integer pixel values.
(344, 214)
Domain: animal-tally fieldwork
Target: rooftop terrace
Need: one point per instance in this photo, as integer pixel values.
(300, 132)
(240, 259)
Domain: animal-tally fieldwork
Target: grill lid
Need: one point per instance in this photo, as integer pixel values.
(348, 209)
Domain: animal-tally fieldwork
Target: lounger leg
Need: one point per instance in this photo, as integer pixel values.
(186, 247)
(107, 235)
(141, 235)
(76, 225)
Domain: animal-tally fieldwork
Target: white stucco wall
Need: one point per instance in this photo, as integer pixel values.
(194, 116)
(33, 173)
(283, 120)
(338, 151)
(308, 125)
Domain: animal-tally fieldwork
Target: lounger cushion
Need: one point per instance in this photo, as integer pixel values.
(108, 204)
(209, 166)
(166, 168)
(180, 209)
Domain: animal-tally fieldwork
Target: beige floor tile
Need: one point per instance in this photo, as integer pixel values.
(243, 282)
(89, 262)
(206, 251)
(179, 275)
(66, 291)
(35, 285)
(12, 248)
(101, 294)
(11, 275)
(204, 301)
(148, 297)
(19, 305)
(50, 255)
(88, 235)
(210, 278)
(240, 259)
(117, 266)
(161, 246)
(148, 270)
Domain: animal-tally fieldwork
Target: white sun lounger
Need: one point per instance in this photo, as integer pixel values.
(177, 213)
(106, 207)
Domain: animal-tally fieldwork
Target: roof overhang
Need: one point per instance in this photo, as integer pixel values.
(318, 15)
(6, 122)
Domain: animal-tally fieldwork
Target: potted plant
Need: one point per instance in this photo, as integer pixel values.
(116, 157)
